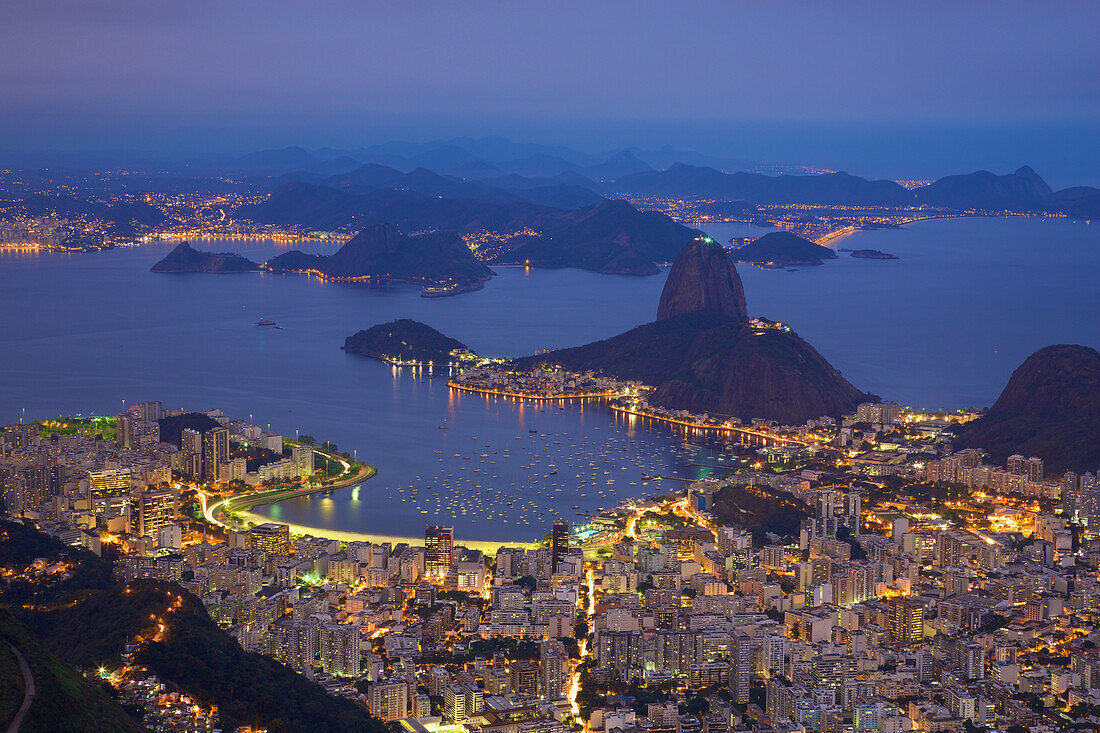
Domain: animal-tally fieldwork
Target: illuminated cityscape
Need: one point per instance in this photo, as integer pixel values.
(700, 367)
(863, 542)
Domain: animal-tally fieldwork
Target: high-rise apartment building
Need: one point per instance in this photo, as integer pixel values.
(1030, 467)
(905, 620)
(147, 411)
(302, 458)
(524, 678)
(152, 509)
(389, 700)
(559, 543)
(270, 538)
(439, 549)
(462, 701)
(878, 413)
(1090, 503)
(215, 453)
(553, 669)
(124, 431)
(742, 650)
(295, 643)
(191, 441)
(107, 484)
(340, 653)
(1071, 492)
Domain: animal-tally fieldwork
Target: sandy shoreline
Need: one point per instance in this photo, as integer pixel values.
(349, 536)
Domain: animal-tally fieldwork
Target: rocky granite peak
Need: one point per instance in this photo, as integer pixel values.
(703, 278)
(702, 353)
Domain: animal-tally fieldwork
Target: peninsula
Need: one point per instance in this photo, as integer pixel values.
(704, 354)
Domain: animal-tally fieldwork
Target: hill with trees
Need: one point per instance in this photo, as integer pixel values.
(87, 621)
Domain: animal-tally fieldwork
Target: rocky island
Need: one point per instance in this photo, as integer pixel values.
(186, 259)
(782, 249)
(440, 261)
(704, 354)
(871, 254)
(407, 342)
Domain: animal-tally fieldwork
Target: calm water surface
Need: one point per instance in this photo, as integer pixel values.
(943, 326)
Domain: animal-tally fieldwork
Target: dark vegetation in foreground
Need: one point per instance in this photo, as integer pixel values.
(87, 620)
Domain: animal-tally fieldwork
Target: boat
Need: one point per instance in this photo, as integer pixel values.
(265, 322)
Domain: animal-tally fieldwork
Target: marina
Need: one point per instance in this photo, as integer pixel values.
(513, 487)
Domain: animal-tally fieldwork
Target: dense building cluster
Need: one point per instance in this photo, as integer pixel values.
(540, 383)
(849, 574)
(114, 479)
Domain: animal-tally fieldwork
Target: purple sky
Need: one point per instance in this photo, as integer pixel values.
(775, 81)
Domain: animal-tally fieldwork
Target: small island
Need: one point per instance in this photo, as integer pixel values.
(406, 342)
(872, 254)
(782, 249)
(184, 258)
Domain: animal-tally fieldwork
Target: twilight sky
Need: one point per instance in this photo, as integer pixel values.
(880, 88)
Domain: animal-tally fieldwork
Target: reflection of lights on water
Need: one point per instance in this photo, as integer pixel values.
(355, 494)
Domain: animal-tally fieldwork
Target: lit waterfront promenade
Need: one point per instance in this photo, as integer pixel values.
(218, 511)
(634, 411)
(758, 434)
(532, 395)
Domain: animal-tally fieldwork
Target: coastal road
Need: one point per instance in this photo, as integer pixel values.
(575, 674)
(28, 690)
(343, 480)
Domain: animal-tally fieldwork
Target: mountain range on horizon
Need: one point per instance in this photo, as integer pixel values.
(552, 208)
(480, 158)
(496, 157)
(553, 180)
